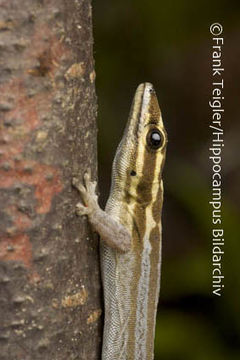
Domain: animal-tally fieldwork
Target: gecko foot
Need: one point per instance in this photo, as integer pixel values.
(88, 194)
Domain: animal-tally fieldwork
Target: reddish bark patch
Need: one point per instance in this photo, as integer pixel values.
(21, 116)
(16, 248)
(20, 220)
(45, 179)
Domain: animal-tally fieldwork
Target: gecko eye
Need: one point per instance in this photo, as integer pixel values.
(154, 139)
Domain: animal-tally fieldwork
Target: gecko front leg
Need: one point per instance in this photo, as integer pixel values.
(111, 231)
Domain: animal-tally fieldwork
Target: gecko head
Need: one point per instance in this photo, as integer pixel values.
(140, 155)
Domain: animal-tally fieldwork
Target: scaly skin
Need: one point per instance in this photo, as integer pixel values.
(130, 232)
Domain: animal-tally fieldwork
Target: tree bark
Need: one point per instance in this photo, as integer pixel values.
(49, 270)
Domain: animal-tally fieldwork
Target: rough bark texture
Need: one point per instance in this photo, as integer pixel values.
(49, 273)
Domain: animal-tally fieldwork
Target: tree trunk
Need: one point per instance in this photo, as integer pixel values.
(49, 270)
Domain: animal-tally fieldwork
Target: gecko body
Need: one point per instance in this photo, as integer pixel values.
(130, 232)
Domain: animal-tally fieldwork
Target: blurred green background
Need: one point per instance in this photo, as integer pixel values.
(169, 44)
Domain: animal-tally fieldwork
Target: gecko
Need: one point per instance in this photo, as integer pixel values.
(130, 231)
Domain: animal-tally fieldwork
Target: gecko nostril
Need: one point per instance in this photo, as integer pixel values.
(133, 173)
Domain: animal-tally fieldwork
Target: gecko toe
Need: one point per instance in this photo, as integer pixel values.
(81, 209)
(87, 177)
